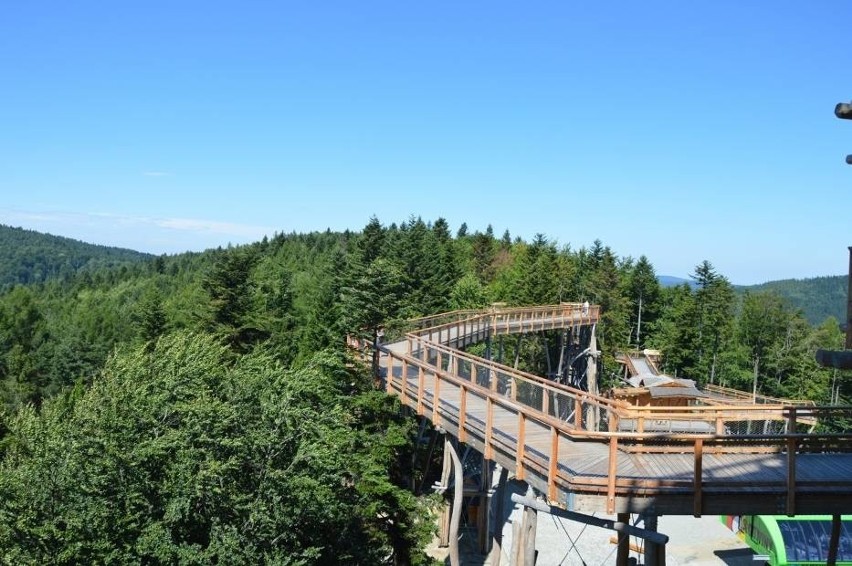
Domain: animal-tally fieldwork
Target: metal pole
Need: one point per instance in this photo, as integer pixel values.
(651, 550)
(623, 541)
(849, 305)
(835, 540)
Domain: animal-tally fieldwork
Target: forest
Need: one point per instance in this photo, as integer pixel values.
(201, 407)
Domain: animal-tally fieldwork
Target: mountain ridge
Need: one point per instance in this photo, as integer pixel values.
(30, 257)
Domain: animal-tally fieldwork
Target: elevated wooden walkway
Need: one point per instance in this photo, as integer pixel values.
(592, 454)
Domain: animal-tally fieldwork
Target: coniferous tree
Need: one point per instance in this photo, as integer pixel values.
(231, 293)
(644, 296)
(150, 316)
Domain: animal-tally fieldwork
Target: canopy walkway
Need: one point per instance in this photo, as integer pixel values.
(589, 453)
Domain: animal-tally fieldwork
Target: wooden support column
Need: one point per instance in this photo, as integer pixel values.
(484, 515)
(518, 351)
(592, 380)
(530, 526)
(592, 364)
(515, 552)
(458, 499)
(497, 494)
(444, 523)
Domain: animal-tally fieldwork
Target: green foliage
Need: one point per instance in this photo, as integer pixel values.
(218, 430)
(181, 456)
(818, 298)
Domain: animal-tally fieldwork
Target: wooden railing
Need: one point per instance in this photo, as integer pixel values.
(459, 380)
(754, 398)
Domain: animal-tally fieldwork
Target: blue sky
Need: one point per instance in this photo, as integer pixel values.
(680, 130)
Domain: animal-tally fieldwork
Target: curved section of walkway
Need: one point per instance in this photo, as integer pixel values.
(573, 447)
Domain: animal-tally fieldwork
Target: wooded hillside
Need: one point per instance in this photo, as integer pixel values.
(28, 257)
(818, 298)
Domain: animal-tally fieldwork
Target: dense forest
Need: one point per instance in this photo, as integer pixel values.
(27, 257)
(193, 407)
(818, 297)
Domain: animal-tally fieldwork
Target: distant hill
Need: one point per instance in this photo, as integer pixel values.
(818, 298)
(27, 256)
(672, 281)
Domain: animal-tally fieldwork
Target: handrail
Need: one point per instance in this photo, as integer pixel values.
(619, 410)
(532, 397)
(764, 399)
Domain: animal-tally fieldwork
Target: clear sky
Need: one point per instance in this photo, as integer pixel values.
(680, 130)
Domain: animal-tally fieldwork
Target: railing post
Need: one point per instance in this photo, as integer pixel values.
(554, 463)
(578, 413)
(613, 466)
(403, 382)
(489, 423)
(520, 448)
(421, 376)
(436, 402)
(389, 375)
(462, 414)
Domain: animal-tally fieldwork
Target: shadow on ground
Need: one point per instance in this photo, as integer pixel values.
(736, 557)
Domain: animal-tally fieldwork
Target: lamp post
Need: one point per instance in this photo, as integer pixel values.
(843, 110)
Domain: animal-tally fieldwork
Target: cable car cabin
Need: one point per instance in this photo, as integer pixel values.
(789, 541)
